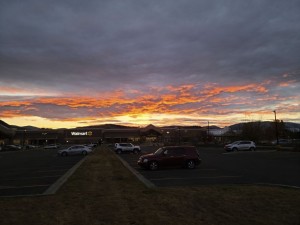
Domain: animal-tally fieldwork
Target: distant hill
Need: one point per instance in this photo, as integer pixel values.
(4, 124)
(264, 124)
(237, 126)
(108, 126)
(181, 127)
(292, 125)
(25, 127)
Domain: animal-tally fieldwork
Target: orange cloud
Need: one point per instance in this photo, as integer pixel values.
(287, 83)
(186, 99)
(212, 91)
(12, 90)
(15, 103)
(12, 113)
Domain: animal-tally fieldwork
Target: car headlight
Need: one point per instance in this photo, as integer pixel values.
(145, 160)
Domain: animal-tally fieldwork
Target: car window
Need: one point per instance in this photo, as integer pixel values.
(158, 151)
(174, 151)
(179, 151)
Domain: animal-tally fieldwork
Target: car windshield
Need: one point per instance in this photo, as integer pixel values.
(158, 151)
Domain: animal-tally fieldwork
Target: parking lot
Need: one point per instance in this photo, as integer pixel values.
(265, 167)
(32, 172)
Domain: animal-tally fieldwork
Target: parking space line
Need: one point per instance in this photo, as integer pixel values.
(208, 169)
(238, 152)
(28, 178)
(20, 187)
(278, 185)
(47, 171)
(194, 178)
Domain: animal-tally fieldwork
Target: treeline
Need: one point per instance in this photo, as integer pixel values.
(261, 132)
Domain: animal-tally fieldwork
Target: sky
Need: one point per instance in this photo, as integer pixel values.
(70, 63)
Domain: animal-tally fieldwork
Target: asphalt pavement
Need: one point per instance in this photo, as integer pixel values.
(32, 172)
(261, 167)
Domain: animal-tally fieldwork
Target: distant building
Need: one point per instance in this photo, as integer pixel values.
(150, 135)
(6, 133)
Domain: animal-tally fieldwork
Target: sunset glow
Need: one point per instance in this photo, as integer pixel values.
(148, 64)
(185, 105)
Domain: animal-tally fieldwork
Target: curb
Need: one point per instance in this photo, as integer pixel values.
(54, 187)
(146, 182)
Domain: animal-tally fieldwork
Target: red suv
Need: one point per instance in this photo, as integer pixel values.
(171, 156)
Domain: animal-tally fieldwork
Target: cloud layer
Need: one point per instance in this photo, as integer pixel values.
(73, 60)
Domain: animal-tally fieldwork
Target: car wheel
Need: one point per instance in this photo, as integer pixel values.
(190, 164)
(252, 149)
(119, 151)
(134, 151)
(84, 153)
(235, 149)
(64, 154)
(153, 165)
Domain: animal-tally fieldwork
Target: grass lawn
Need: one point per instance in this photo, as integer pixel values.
(103, 191)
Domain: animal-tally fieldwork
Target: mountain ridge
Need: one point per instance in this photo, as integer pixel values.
(237, 126)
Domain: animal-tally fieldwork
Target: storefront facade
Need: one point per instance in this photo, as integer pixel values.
(148, 135)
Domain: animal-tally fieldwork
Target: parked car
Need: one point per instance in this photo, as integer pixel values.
(75, 150)
(92, 145)
(171, 156)
(281, 142)
(11, 148)
(51, 146)
(126, 147)
(30, 146)
(240, 146)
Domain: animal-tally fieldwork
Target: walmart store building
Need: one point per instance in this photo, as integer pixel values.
(149, 134)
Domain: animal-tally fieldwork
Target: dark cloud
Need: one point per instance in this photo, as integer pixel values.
(104, 45)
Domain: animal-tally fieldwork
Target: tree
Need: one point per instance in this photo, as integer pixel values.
(252, 131)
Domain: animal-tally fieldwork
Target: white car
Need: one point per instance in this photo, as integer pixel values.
(240, 146)
(75, 150)
(126, 147)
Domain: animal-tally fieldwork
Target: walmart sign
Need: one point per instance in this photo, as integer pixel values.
(86, 133)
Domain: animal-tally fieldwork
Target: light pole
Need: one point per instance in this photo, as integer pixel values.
(207, 131)
(179, 136)
(276, 127)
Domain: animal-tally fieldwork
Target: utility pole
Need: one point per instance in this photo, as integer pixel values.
(276, 127)
(179, 136)
(207, 130)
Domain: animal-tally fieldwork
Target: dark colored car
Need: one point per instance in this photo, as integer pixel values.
(11, 148)
(171, 156)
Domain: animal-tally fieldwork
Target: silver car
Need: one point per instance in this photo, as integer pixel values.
(51, 146)
(240, 146)
(75, 150)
